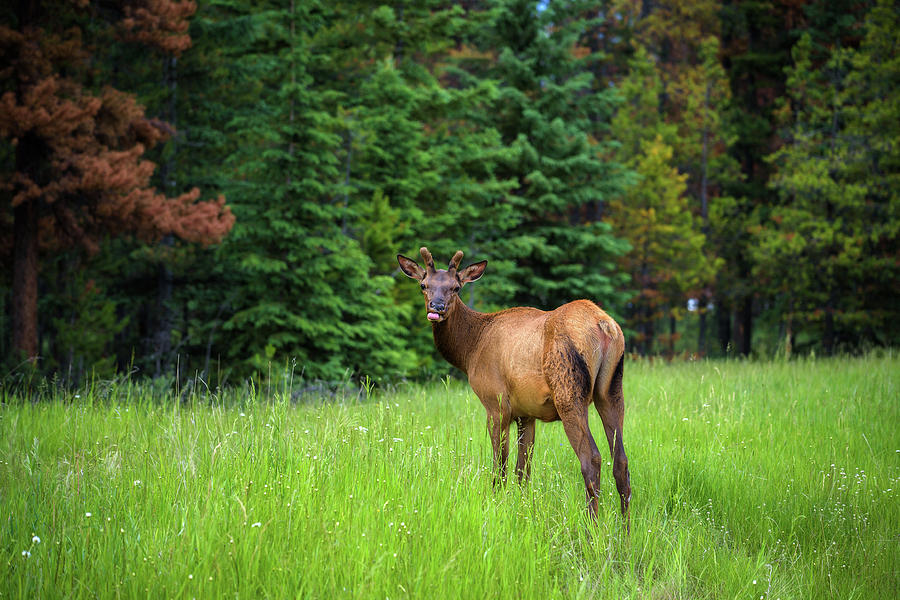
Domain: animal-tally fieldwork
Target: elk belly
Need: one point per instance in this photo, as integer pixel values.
(532, 399)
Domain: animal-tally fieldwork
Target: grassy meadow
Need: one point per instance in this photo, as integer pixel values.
(750, 480)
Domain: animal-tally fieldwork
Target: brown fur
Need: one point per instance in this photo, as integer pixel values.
(526, 364)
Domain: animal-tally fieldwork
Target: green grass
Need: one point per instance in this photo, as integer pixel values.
(750, 480)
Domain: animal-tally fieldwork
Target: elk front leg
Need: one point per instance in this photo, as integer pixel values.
(525, 428)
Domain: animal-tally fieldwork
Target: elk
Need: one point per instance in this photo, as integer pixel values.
(526, 364)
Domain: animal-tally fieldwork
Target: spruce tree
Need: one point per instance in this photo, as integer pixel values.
(307, 292)
(555, 125)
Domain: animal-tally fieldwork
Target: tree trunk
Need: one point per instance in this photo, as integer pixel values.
(25, 279)
(828, 334)
(745, 326)
(673, 329)
(165, 279)
(702, 300)
(162, 346)
(723, 319)
(25, 227)
(789, 332)
(704, 181)
(649, 331)
(701, 326)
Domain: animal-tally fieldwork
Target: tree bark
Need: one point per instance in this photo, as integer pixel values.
(25, 228)
(165, 278)
(25, 280)
(163, 334)
(673, 329)
(745, 326)
(789, 330)
(723, 318)
(704, 215)
(701, 325)
(649, 331)
(828, 333)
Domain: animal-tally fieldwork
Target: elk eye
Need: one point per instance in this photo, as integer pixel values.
(423, 286)
(456, 290)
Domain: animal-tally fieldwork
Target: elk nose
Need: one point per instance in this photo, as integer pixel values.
(437, 305)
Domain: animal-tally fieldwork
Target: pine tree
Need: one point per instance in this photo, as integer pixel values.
(680, 41)
(79, 171)
(872, 101)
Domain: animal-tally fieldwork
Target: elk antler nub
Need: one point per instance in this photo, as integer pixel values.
(429, 261)
(454, 262)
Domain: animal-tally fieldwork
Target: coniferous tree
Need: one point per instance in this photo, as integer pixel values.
(667, 261)
(417, 155)
(680, 41)
(554, 124)
(828, 245)
(872, 100)
(79, 172)
(756, 44)
(306, 289)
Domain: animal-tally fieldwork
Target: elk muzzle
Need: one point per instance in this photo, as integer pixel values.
(436, 309)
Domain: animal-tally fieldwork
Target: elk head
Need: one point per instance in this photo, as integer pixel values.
(440, 287)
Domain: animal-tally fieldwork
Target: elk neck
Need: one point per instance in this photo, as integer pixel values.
(458, 336)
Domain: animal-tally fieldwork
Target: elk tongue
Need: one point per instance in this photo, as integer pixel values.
(433, 316)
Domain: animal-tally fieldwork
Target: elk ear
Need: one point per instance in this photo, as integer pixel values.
(472, 272)
(410, 268)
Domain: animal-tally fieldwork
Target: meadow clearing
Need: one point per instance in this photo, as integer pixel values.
(750, 480)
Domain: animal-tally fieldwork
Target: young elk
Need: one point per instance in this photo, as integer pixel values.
(526, 364)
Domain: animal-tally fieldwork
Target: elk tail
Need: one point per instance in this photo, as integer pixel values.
(608, 384)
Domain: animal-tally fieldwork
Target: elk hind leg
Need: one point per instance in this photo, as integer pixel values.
(525, 429)
(575, 423)
(610, 405)
(570, 385)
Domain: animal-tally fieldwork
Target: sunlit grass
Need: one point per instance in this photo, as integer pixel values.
(751, 480)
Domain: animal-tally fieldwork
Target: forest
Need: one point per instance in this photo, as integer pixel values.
(218, 189)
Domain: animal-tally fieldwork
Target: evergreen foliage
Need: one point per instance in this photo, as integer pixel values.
(556, 124)
(76, 172)
(739, 159)
(830, 248)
